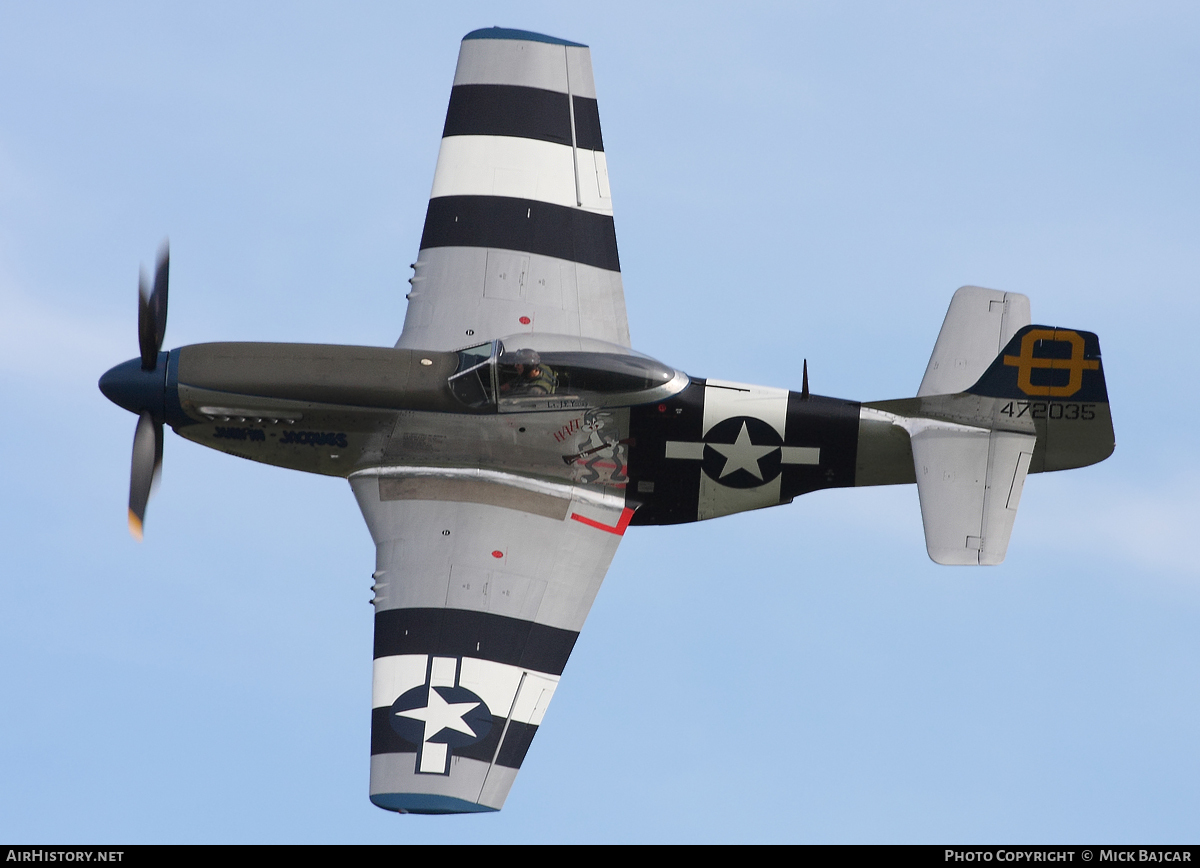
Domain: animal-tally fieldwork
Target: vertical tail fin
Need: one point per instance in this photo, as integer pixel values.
(1051, 380)
(1000, 399)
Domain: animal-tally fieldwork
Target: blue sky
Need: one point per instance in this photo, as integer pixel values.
(790, 181)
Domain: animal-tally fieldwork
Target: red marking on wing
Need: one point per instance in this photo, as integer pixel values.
(497, 554)
(618, 528)
(524, 320)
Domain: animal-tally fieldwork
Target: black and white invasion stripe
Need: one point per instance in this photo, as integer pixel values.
(519, 232)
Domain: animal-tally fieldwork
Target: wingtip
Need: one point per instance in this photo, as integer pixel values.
(519, 36)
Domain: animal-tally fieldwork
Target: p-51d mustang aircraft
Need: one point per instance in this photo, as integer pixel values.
(500, 451)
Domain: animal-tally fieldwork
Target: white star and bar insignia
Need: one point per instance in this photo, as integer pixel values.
(743, 453)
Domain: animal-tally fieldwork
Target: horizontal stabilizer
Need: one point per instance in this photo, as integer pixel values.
(969, 481)
(977, 326)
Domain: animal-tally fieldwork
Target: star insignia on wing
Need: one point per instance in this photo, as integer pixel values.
(438, 714)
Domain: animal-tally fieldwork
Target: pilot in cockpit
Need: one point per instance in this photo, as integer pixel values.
(522, 373)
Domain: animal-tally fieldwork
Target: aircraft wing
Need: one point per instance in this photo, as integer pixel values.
(482, 584)
(519, 233)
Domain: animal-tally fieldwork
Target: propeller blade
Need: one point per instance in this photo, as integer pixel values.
(146, 466)
(158, 298)
(152, 310)
(146, 327)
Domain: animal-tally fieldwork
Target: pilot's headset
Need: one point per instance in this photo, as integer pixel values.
(527, 357)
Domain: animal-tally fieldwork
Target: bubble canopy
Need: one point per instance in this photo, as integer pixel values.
(523, 373)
